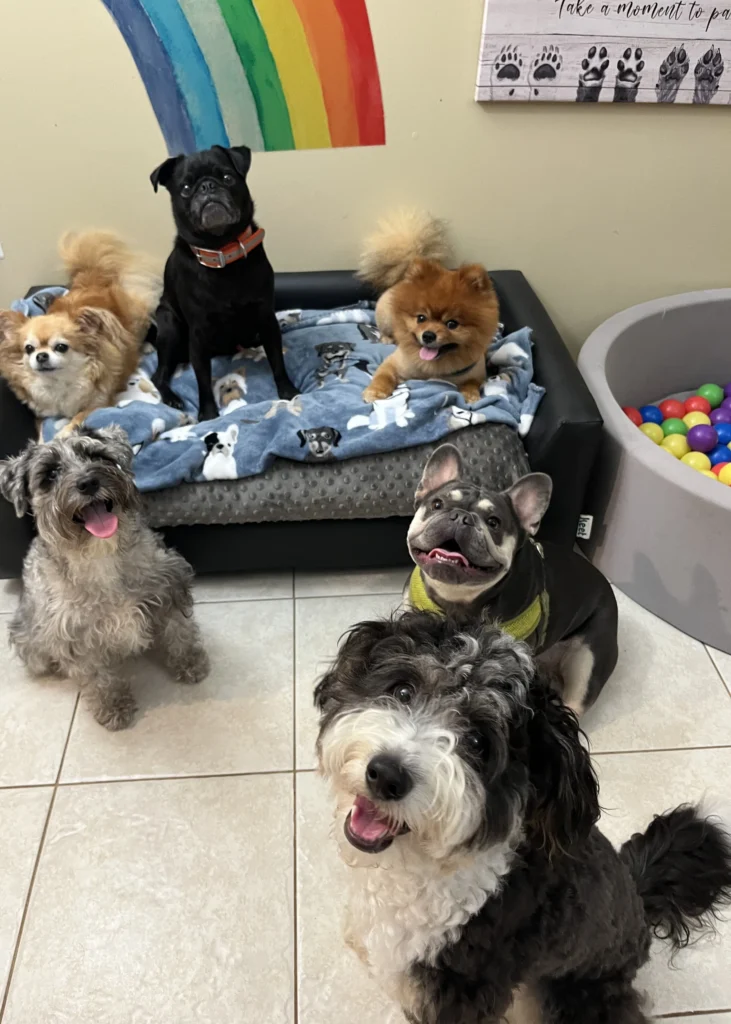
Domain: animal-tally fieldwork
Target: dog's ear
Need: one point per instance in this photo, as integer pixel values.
(303, 438)
(14, 480)
(93, 321)
(444, 466)
(240, 157)
(530, 498)
(233, 432)
(162, 174)
(349, 668)
(475, 276)
(565, 800)
(336, 437)
(9, 322)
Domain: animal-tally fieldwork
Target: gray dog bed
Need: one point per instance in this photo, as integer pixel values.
(661, 530)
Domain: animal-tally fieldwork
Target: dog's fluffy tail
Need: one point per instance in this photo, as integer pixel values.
(102, 259)
(682, 868)
(398, 241)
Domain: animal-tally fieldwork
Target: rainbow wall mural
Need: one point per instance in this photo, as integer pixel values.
(270, 74)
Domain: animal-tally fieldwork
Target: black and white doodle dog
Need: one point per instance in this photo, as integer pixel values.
(466, 807)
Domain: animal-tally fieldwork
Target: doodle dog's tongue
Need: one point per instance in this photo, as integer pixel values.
(428, 353)
(366, 821)
(98, 521)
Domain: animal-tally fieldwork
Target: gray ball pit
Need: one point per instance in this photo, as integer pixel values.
(661, 532)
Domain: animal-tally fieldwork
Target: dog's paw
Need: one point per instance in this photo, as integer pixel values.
(208, 411)
(376, 392)
(194, 670)
(286, 389)
(116, 713)
(471, 393)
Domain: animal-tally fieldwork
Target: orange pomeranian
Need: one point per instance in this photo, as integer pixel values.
(78, 355)
(443, 321)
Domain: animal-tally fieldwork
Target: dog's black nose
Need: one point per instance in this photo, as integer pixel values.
(459, 515)
(428, 337)
(387, 778)
(88, 486)
(207, 186)
(41, 357)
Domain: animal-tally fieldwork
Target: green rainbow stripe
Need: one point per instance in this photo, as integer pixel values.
(270, 74)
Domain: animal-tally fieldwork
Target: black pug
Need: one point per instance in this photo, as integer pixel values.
(218, 294)
(466, 809)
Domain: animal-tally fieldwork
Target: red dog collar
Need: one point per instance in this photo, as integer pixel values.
(217, 259)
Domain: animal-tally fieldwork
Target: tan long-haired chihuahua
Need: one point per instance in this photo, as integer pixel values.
(443, 321)
(78, 355)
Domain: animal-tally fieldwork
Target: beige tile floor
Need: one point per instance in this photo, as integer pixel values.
(181, 872)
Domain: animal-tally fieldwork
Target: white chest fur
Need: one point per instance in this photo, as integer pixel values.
(59, 393)
(408, 909)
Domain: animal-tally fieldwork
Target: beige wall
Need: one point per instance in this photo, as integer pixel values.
(600, 208)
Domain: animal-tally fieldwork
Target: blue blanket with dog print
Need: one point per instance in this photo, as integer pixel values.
(330, 356)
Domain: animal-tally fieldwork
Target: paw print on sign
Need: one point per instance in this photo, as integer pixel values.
(672, 74)
(544, 72)
(629, 75)
(708, 73)
(591, 77)
(508, 75)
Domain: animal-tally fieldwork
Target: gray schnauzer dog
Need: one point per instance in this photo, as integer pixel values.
(98, 584)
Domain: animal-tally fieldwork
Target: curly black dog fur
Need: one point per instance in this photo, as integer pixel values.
(460, 773)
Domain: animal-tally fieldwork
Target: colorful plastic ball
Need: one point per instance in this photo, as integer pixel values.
(697, 460)
(725, 404)
(718, 454)
(676, 444)
(651, 414)
(707, 472)
(674, 426)
(724, 431)
(718, 466)
(654, 432)
(725, 475)
(713, 393)
(702, 438)
(720, 415)
(634, 414)
(696, 419)
(697, 403)
(727, 390)
(672, 409)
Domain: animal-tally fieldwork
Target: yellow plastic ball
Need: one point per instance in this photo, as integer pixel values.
(677, 445)
(654, 432)
(725, 475)
(709, 474)
(699, 461)
(694, 419)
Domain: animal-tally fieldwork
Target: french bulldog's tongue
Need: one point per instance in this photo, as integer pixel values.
(428, 353)
(449, 556)
(366, 821)
(98, 521)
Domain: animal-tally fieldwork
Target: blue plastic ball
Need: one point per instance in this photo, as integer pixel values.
(719, 454)
(651, 414)
(724, 432)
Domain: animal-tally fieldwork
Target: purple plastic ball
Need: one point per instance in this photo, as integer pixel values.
(727, 390)
(721, 415)
(702, 438)
(725, 404)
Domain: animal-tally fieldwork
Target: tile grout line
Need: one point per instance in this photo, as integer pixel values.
(36, 864)
(719, 673)
(661, 750)
(295, 908)
(685, 1014)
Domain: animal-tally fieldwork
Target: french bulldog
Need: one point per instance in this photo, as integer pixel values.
(218, 294)
(476, 556)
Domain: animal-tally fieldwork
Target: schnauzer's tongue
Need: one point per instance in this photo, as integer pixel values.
(428, 353)
(98, 521)
(366, 821)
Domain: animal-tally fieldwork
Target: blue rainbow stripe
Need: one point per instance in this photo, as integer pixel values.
(192, 73)
(157, 73)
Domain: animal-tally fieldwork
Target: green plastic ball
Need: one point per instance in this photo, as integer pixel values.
(674, 426)
(712, 393)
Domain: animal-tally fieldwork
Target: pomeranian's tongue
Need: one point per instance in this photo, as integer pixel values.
(428, 353)
(98, 521)
(366, 821)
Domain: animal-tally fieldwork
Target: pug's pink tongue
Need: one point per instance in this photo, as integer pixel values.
(366, 821)
(98, 521)
(428, 353)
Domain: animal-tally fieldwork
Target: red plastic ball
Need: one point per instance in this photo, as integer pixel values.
(696, 403)
(672, 409)
(634, 414)
(718, 467)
